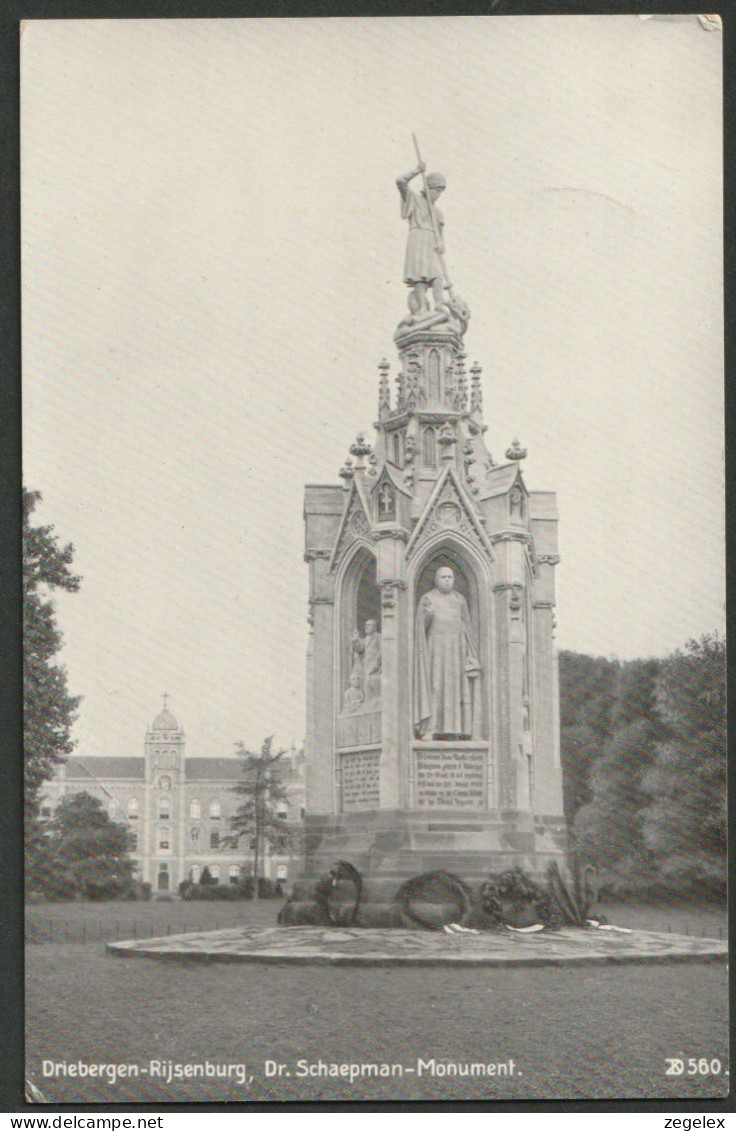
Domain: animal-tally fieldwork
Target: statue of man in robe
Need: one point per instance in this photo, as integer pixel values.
(366, 651)
(446, 663)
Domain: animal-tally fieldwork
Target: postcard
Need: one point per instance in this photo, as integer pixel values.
(374, 559)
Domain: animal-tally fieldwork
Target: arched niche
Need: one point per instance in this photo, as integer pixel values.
(473, 583)
(360, 601)
(429, 446)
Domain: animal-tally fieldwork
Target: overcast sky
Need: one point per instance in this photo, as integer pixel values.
(212, 269)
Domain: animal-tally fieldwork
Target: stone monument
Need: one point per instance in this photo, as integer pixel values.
(432, 717)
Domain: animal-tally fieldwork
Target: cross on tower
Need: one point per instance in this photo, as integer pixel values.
(165, 699)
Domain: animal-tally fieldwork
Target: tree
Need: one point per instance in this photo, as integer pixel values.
(685, 824)
(49, 709)
(587, 694)
(263, 788)
(608, 830)
(86, 855)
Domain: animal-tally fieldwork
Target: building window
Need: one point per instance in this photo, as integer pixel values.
(164, 811)
(164, 840)
(45, 810)
(234, 874)
(282, 814)
(194, 873)
(133, 809)
(214, 839)
(215, 872)
(165, 783)
(195, 809)
(215, 810)
(134, 842)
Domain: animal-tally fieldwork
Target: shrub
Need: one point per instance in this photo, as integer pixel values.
(138, 890)
(209, 892)
(267, 889)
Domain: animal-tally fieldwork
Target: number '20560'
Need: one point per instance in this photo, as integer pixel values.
(693, 1067)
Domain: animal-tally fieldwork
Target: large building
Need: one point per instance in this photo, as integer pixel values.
(178, 807)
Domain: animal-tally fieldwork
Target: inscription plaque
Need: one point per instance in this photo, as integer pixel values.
(358, 730)
(360, 780)
(449, 779)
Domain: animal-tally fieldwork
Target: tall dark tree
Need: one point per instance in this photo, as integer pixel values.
(86, 855)
(685, 824)
(49, 709)
(608, 830)
(587, 695)
(263, 789)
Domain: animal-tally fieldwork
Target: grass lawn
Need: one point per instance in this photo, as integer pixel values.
(590, 1032)
(108, 922)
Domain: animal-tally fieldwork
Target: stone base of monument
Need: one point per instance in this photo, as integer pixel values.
(398, 843)
(339, 946)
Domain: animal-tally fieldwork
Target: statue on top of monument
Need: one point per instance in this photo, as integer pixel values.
(425, 245)
(424, 266)
(446, 663)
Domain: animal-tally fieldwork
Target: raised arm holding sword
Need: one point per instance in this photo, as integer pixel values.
(425, 250)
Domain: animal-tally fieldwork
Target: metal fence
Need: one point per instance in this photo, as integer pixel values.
(41, 931)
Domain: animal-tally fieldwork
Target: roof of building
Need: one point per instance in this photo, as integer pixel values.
(213, 769)
(232, 769)
(93, 768)
(500, 479)
(164, 721)
(98, 768)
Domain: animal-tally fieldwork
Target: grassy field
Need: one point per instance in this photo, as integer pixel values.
(594, 1032)
(107, 922)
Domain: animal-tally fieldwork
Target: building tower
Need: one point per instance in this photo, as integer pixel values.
(432, 720)
(163, 845)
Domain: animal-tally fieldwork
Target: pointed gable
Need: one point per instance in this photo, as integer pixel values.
(500, 480)
(449, 510)
(355, 525)
(390, 498)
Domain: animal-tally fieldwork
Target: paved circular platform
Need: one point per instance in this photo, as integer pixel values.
(340, 946)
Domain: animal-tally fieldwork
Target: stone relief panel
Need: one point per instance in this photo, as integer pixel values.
(360, 640)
